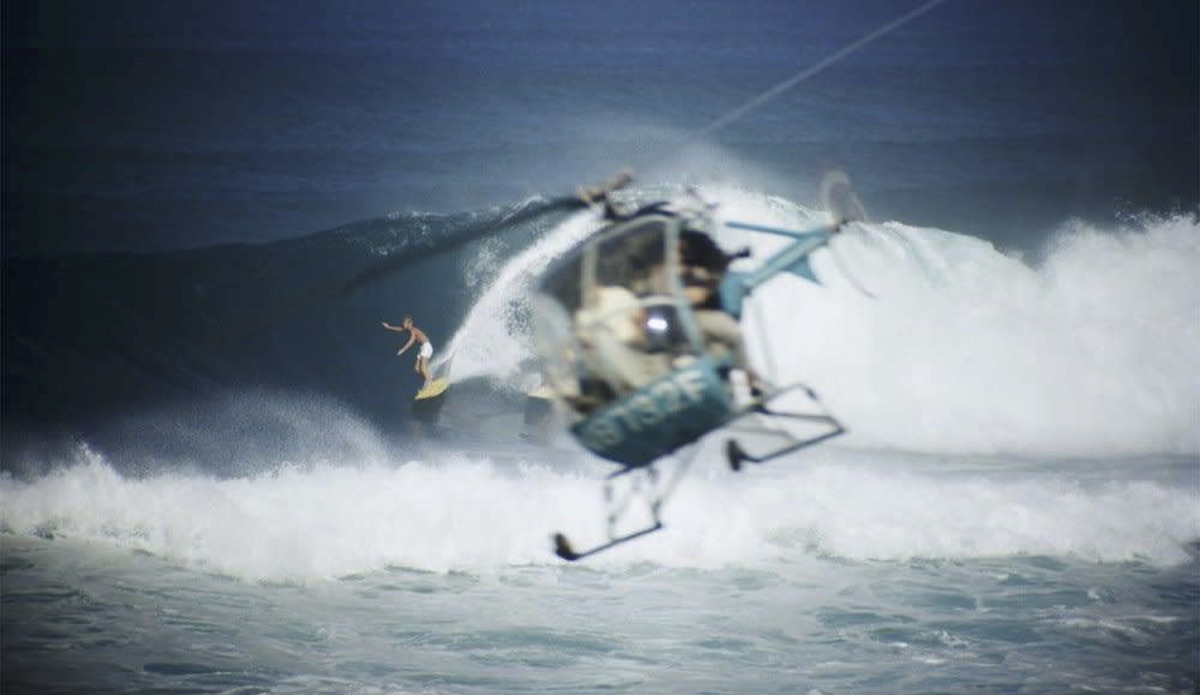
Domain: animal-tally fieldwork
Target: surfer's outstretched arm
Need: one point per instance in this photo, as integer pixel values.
(400, 329)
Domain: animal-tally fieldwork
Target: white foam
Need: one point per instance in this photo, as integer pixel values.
(965, 350)
(493, 340)
(461, 514)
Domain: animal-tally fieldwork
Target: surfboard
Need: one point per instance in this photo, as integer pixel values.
(436, 388)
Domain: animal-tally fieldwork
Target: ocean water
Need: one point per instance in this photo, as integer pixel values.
(847, 572)
(210, 479)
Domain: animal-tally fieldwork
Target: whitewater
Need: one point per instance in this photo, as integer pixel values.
(1016, 508)
(934, 341)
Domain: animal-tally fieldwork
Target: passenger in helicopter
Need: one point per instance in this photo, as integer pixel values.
(703, 265)
(613, 335)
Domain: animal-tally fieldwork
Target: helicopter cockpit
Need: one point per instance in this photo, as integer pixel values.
(639, 335)
(621, 343)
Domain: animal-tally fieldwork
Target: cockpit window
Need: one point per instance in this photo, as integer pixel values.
(564, 282)
(628, 256)
(622, 321)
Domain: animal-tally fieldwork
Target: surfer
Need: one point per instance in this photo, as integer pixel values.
(416, 335)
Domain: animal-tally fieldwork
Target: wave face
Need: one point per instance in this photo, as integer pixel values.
(124, 351)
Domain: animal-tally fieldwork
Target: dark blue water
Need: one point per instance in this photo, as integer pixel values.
(129, 125)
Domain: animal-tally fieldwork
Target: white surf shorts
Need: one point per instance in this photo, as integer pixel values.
(426, 350)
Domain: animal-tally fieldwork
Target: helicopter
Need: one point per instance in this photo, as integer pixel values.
(638, 332)
(639, 325)
(638, 328)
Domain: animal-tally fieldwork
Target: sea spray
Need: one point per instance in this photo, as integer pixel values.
(928, 340)
(1087, 353)
(473, 514)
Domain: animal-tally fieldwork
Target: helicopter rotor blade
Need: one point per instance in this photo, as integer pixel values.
(319, 293)
(585, 197)
(839, 199)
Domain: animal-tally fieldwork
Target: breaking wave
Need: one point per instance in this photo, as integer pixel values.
(924, 339)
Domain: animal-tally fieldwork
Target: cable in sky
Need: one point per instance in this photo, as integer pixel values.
(813, 70)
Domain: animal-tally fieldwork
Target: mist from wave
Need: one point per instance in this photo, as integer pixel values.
(923, 339)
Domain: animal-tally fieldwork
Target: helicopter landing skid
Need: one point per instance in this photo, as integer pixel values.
(563, 548)
(737, 455)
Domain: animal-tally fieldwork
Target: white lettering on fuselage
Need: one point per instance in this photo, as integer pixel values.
(644, 409)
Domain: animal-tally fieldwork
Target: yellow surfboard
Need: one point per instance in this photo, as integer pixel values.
(436, 388)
